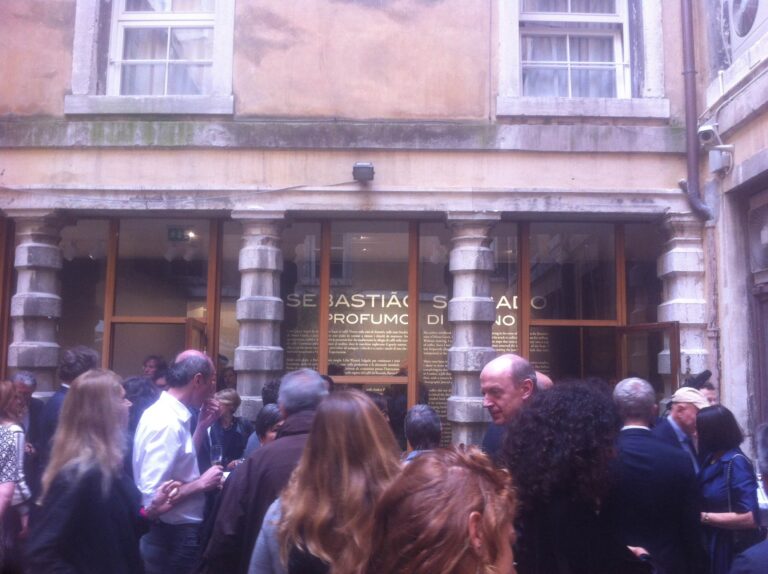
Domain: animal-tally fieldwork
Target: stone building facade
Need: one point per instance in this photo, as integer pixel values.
(180, 172)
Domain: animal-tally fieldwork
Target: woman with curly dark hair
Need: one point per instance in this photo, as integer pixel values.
(559, 449)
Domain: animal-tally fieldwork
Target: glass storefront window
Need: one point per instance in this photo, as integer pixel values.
(368, 312)
(229, 328)
(574, 352)
(162, 268)
(573, 271)
(504, 288)
(643, 243)
(133, 342)
(300, 291)
(434, 330)
(83, 276)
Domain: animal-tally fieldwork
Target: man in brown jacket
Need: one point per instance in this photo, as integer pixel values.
(256, 483)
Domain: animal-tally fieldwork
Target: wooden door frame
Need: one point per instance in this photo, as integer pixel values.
(213, 300)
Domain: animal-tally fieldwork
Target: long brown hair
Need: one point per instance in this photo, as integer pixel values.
(9, 404)
(91, 429)
(422, 518)
(327, 507)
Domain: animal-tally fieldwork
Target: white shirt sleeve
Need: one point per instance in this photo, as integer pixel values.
(154, 453)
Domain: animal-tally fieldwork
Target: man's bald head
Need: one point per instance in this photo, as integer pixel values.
(506, 383)
(543, 382)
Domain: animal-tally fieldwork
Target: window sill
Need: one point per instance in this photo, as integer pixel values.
(197, 105)
(645, 108)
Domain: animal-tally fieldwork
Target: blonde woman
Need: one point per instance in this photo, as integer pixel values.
(324, 518)
(90, 508)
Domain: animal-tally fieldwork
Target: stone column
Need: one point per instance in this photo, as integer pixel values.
(681, 268)
(259, 356)
(36, 305)
(471, 312)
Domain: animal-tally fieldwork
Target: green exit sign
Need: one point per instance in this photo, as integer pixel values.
(177, 234)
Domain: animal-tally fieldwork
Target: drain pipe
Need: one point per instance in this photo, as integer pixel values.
(691, 186)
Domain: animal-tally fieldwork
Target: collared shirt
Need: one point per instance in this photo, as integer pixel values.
(163, 450)
(686, 443)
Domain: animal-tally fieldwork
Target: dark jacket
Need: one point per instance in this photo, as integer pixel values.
(249, 491)
(80, 531)
(752, 561)
(566, 536)
(665, 433)
(33, 469)
(655, 503)
(49, 422)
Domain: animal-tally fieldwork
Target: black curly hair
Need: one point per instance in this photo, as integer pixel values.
(563, 442)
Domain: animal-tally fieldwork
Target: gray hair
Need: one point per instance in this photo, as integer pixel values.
(762, 449)
(26, 378)
(301, 390)
(635, 399)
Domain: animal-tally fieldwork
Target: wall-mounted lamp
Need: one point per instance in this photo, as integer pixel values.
(362, 171)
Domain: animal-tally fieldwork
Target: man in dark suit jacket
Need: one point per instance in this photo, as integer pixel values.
(679, 428)
(74, 362)
(654, 501)
(755, 560)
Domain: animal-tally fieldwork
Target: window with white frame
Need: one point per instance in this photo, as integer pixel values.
(162, 56)
(574, 49)
(162, 48)
(574, 58)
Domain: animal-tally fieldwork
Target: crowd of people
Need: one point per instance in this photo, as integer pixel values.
(158, 474)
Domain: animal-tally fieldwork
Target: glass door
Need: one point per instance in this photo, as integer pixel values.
(651, 351)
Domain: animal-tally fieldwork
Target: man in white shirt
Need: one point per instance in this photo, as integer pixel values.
(164, 449)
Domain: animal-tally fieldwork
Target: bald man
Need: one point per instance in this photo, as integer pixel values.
(506, 383)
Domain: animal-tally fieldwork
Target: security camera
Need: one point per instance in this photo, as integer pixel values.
(708, 135)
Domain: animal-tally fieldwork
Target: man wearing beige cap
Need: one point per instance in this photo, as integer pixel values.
(679, 428)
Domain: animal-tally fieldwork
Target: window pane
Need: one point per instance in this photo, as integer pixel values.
(758, 238)
(574, 352)
(648, 358)
(191, 44)
(147, 5)
(83, 275)
(434, 329)
(162, 268)
(132, 343)
(592, 49)
(368, 332)
(644, 243)
(170, 5)
(229, 331)
(576, 6)
(573, 271)
(545, 82)
(544, 48)
(194, 5)
(598, 83)
(145, 44)
(593, 6)
(545, 5)
(142, 80)
(190, 80)
(300, 291)
(504, 288)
